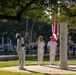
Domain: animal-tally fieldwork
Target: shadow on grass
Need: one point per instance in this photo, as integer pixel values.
(51, 66)
(37, 72)
(72, 69)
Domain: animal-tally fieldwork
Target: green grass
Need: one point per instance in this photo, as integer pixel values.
(20, 73)
(31, 62)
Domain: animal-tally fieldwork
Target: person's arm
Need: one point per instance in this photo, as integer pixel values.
(44, 43)
(37, 42)
(48, 46)
(26, 36)
(56, 47)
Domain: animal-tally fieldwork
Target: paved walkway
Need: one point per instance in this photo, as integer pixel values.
(43, 69)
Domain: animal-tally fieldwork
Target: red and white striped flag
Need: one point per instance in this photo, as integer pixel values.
(55, 32)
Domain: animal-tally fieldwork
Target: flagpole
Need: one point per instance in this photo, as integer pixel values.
(63, 64)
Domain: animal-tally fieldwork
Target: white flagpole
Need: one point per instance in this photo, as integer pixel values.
(63, 64)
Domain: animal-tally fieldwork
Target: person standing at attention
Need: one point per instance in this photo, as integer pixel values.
(52, 46)
(20, 50)
(41, 45)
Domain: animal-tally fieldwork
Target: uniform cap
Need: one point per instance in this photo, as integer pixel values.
(40, 37)
(17, 35)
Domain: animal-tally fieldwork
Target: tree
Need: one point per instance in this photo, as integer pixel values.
(15, 9)
(14, 6)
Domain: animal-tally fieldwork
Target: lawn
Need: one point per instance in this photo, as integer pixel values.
(31, 62)
(20, 73)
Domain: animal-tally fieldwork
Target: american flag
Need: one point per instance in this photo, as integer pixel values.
(55, 32)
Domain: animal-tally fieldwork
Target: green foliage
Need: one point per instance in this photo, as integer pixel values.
(73, 12)
(11, 7)
(66, 14)
(53, 1)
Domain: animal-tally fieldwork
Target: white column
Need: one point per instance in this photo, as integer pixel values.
(63, 46)
(2, 41)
